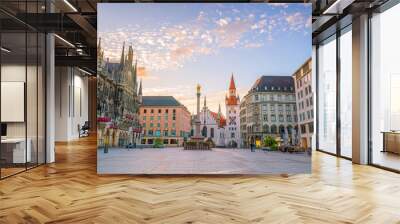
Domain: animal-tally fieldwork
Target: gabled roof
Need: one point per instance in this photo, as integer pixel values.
(222, 121)
(160, 101)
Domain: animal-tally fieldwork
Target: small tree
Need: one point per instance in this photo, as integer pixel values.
(270, 142)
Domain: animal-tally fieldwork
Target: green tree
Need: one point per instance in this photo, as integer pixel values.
(270, 142)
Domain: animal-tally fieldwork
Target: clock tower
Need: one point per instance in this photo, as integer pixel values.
(232, 104)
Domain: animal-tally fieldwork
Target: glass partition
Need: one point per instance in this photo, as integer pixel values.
(13, 86)
(385, 89)
(327, 95)
(22, 77)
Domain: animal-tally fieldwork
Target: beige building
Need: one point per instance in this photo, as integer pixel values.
(269, 109)
(304, 99)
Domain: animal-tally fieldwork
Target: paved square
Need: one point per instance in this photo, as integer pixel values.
(216, 161)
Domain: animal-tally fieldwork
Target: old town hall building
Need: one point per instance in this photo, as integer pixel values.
(232, 105)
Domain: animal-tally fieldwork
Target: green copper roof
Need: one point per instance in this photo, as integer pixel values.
(160, 101)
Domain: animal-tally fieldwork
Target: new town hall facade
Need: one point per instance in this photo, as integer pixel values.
(118, 99)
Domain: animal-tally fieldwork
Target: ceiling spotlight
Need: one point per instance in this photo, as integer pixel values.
(70, 5)
(5, 50)
(84, 71)
(64, 40)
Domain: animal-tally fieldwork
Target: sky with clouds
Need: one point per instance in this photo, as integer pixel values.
(180, 45)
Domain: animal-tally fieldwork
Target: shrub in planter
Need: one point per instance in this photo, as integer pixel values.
(158, 143)
(270, 143)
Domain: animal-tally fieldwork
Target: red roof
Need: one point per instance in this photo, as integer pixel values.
(231, 101)
(222, 121)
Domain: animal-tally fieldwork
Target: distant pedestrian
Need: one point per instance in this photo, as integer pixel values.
(252, 147)
(106, 141)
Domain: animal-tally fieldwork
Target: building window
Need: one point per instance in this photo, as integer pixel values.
(273, 118)
(173, 132)
(144, 118)
(152, 111)
(212, 132)
(151, 118)
(303, 129)
(165, 132)
(166, 111)
(150, 132)
(158, 124)
(232, 134)
(144, 111)
(289, 118)
(151, 125)
(281, 118)
(265, 117)
(311, 127)
(158, 133)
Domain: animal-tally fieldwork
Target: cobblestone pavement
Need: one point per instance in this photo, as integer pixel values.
(216, 161)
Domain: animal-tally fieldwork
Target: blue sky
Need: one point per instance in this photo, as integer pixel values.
(180, 45)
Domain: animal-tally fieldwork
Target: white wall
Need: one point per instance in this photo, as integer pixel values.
(71, 103)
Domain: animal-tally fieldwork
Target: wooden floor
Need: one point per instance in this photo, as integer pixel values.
(70, 191)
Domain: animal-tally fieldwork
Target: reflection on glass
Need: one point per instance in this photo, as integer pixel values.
(13, 84)
(327, 96)
(346, 94)
(385, 84)
(31, 97)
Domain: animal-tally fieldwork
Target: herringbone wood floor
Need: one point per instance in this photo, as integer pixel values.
(70, 191)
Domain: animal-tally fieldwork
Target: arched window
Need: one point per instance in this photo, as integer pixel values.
(266, 128)
(204, 132)
(289, 129)
(273, 129)
(281, 129)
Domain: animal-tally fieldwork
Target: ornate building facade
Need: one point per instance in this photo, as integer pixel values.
(232, 105)
(118, 99)
(212, 125)
(305, 108)
(269, 109)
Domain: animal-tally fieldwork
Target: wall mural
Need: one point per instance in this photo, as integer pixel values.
(203, 88)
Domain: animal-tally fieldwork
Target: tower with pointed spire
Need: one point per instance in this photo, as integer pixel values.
(232, 105)
(122, 60)
(118, 96)
(140, 94)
